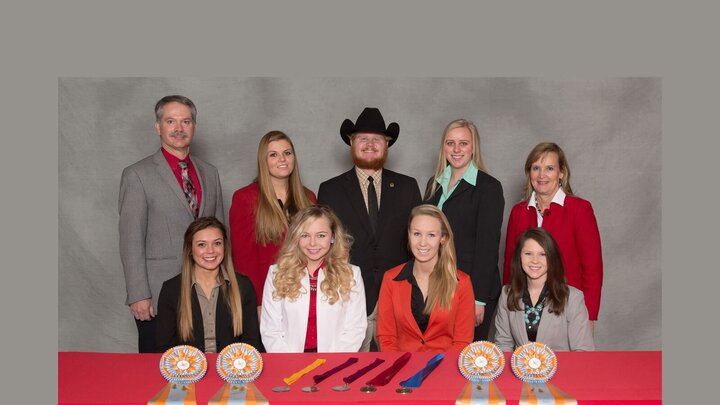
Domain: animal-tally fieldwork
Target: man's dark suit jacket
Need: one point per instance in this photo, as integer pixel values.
(167, 334)
(374, 254)
(475, 215)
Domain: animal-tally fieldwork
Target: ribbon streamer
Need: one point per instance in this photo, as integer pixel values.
(174, 393)
(317, 379)
(352, 377)
(417, 380)
(482, 393)
(315, 364)
(384, 377)
(544, 394)
(238, 394)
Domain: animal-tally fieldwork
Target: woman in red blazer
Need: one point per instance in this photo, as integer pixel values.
(260, 211)
(426, 304)
(549, 202)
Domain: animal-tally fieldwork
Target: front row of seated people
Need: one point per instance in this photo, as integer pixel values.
(314, 301)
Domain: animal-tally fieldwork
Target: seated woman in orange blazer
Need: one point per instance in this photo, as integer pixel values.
(426, 304)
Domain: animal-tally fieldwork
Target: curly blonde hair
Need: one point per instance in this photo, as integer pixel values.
(291, 261)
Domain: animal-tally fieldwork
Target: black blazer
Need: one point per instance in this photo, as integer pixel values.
(167, 334)
(475, 215)
(374, 254)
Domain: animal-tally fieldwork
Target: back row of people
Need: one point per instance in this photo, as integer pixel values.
(162, 194)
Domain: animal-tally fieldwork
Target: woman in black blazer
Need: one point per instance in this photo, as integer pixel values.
(473, 203)
(208, 305)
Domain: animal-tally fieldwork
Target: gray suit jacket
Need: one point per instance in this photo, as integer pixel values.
(154, 215)
(569, 331)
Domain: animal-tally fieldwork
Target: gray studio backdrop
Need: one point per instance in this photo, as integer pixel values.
(610, 130)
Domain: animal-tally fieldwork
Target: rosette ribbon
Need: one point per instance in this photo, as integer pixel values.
(481, 362)
(238, 364)
(535, 364)
(182, 366)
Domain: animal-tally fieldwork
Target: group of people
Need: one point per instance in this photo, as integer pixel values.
(369, 263)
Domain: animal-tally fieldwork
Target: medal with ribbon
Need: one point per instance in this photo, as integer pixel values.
(535, 364)
(354, 376)
(481, 362)
(238, 364)
(296, 376)
(317, 379)
(386, 375)
(416, 380)
(182, 366)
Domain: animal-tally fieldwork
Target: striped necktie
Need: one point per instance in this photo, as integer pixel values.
(188, 188)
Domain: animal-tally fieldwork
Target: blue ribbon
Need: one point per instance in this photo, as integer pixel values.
(417, 380)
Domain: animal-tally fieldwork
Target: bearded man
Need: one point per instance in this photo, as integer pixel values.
(373, 204)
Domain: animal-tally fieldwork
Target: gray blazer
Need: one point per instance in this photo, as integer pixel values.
(569, 331)
(154, 215)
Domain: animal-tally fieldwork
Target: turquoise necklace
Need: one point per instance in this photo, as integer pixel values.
(533, 312)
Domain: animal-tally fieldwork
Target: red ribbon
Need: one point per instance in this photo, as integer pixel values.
(387, 375)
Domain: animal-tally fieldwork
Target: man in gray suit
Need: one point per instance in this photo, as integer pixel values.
(159, 197)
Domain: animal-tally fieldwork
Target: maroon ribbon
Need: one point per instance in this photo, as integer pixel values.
(352, 377)
(317, 379)
(387, 375)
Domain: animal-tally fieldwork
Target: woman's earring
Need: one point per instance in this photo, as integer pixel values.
(332, 241)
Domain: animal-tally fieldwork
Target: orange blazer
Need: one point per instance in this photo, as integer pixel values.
(447, 329)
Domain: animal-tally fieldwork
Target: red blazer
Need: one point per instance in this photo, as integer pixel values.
(446, 330)
(248, 257)
(576, 232)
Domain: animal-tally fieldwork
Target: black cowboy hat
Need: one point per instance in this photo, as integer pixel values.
(370, 120)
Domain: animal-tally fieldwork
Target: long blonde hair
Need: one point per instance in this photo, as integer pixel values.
(291, 261)
(539, 151)
(442, 161)
(271, 220)
(443, 279)
(231, 295)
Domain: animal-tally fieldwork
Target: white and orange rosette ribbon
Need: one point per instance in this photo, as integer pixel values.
(481, 362)
(182, 366)
(535, 364)
(239, 364)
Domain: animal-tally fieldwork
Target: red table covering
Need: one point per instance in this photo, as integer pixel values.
(592, 378)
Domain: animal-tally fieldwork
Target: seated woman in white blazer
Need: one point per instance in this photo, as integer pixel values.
(314, 299)
(538, 305)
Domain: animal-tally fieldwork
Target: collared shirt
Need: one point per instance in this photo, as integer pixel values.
(173, 163)
(364, 183)
(558, 198)
(208, 305)
(417, 301)
(469, 176)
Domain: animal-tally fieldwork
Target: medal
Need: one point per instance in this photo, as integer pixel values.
(317, 379)
(296, 376)
(416, 380)
(352, 377)
(386, 375)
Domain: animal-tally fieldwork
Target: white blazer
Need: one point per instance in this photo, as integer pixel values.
(340, 327)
